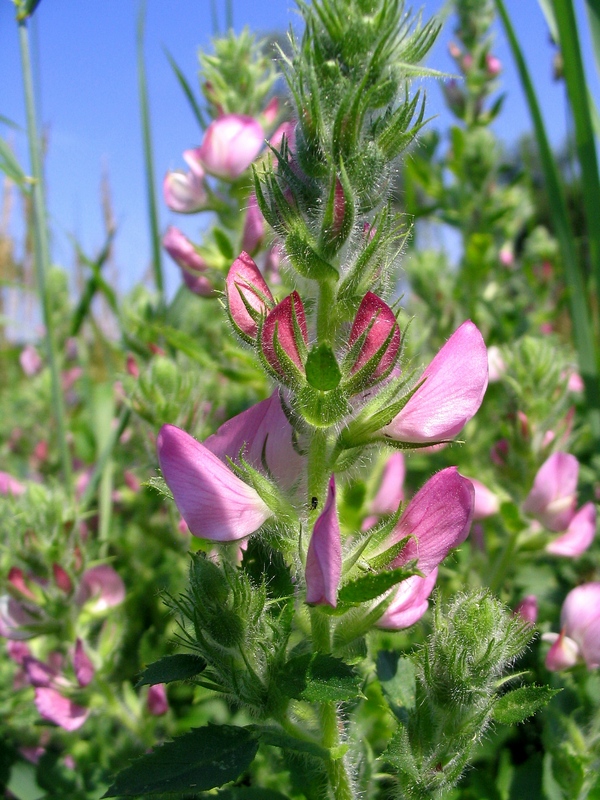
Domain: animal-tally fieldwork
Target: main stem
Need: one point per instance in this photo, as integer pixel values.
(42, 254)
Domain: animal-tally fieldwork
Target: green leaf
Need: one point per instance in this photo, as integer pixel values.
(202, 759)
(306, 260)
(319, 678)
(322, 369)
(178, 667)
(398, 680)
(245, 793)
(519, 704)
(279, 738)
(372, 585)
(10, 166)
(187, 91)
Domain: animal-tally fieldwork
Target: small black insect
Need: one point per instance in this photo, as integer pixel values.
(314, 502)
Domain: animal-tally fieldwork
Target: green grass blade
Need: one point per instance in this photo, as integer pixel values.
(584, 129)
(593, 15)
(187, 90)
(149, 160)
(582, 327)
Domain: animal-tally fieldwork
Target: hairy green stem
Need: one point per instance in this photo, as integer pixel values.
(326, 313)
(42, 255)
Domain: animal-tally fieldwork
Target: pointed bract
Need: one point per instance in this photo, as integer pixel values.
(324, 556)
(438, 518)
(214, 502)
(452, 392)
(409, 603)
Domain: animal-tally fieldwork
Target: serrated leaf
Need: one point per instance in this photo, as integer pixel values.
(519, 704)
(322, 369)
(319, 678)
(160, 485)
(178, 667)
(372, 585)
(279, 738)
(200, 760)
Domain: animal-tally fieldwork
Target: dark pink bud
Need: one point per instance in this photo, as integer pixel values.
(248, 296)
(84, 669)
(62, 579)
(528, 608)
(376, 321)
(16, 578)
(285, 329)
(132, 366)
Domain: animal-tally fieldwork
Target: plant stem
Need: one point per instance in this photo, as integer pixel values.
(503, 563)
(326, 313)
(42, 255)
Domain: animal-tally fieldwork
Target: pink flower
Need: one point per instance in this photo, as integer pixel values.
(187, 258)
(10, 485)
(493, 65)
(248, 296)
(62, 579)
(157, 702)
(185, 192)
(263, 432)
(324, 556)
(438, 518)
(391, 490)
(30, 360)
(284, 329)
(486, 502)
(409, 603)
(214, 502)
(452, 391)
(100, 586)
(496, 364)
(15, 618)
(578, 536)
(84, 669)
(528, 608)
(376, 324)
(230, 145)
(579, 639)
(60, 710)
(254, 227)
(553, 496)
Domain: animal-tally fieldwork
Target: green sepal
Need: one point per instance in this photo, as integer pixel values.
(382, 560)
(322, 409)
(266, 489)
(322, 368)
(304, 258)
(373, 585)
(178, 667)
(519, 704)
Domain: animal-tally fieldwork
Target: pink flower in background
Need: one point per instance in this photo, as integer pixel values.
(101, 588)
(156, 701)
(376, 323)
(486, 502)
(281, 325)
(288, 130)
(493, 65)
(263, 432)
(10, 485)
(254, 227)
(230, 145)
(391, 490)
(15, 618)
(496, 364)
(248, 296)
(185, 192)
(553, 496)
(187, 258)
(30, 360)
(410, 602)
(578, 536)
(324, 556)
(84, 669)
(528, 608)
(438, 518)
(579, 638)
(451, 393)
(60, 710)
(214, 502)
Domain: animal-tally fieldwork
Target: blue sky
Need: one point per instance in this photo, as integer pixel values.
(89, 103)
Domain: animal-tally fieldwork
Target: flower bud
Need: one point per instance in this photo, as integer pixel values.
(493, 65)
(157, 702)
(284, 338)
(84, 669)
(30, 360)
(375, 325)
(191, 263)
(248, 296)
(528, 608)
(254, 227)
(230, 145)
(184, 192)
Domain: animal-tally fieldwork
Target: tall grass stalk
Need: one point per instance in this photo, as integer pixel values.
(155, 244)
(42, 253)
(583, 329)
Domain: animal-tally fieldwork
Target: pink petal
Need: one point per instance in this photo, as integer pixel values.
(280, 323)
(101, 584)
(10, 485)
(84, 669)
(528, 608)
(553, 496)
(580, 617)
(455, 384)
(563, 654)
(157, 702)
(182, 251)
(324, 556)
(214, 502)
(263, 428)
(184, 192)
(30, 360)
(38, 673)
(486, 502)
(391, 490)
(410, 602)
(60, 710)
(254, 226)
(438, 517)
(230, 145)
(578, 536)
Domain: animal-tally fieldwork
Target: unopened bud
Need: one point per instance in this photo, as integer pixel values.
(248, 296)
(284, 338)
(376, 332)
